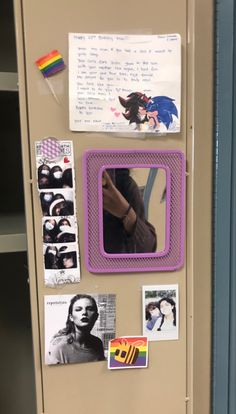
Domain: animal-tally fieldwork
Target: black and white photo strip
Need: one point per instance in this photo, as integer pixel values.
(161, 312)
(56, 185)
(78, 327)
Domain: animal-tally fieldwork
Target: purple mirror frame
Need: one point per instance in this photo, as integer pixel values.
(172, 257)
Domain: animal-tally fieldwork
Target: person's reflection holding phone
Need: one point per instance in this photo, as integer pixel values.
(125, 228)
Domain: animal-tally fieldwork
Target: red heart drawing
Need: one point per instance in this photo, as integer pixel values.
(117, 114)
(112, 109)
(66, 160)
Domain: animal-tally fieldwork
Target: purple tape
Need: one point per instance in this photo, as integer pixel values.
(51, 148)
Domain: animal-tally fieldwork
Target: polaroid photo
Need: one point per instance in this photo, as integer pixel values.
(160, 312)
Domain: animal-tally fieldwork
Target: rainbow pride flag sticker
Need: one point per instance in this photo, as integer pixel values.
(50, 64)
(128, 352)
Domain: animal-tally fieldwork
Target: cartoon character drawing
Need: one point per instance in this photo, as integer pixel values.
(127, 353)
(140, 109)
(161, 109)
(135, 108)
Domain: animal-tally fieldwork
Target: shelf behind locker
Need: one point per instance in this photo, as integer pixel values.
(12, 233)
(12, 223)
(8, 81)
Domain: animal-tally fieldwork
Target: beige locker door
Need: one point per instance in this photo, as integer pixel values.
(169, 383)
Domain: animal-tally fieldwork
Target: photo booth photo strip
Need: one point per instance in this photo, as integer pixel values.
(56, 185)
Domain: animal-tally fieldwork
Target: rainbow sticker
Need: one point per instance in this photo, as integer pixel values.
(51, 63)
(128, 352)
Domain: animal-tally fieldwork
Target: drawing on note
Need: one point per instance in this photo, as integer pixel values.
(105, 73)
(150, 113)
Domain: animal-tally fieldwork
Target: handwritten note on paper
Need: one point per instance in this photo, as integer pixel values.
(123, 83)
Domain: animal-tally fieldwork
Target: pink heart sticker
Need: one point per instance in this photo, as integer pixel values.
(117, 114)
(112, 109)
(66, 160)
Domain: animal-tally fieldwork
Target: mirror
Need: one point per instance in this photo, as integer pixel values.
(154, 232)
(134, 210)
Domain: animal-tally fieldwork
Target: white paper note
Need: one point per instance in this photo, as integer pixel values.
(103, 68)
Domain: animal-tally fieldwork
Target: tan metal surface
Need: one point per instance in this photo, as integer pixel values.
(174, 369)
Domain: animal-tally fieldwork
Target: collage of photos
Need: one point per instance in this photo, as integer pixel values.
(56, 185)
(161, 312)
(78, 327)
(128, 86)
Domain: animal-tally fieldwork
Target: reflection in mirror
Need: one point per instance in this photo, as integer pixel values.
(134, 210)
